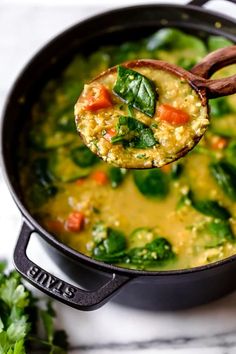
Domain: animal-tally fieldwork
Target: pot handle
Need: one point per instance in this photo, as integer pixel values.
(57, 288)
(203, 2)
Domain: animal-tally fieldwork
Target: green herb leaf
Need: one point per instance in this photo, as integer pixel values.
(115, 241)
(225, 175)
(116, 176)
(111, 249)
(47, 318)
(176, 170)
(17, 321)
(40, 170)
(158, 250)
(219, 107)
(13, 293)
(19, 347)
(230, 153)
(172, 39)
(38, 194)
(220, 232)
(3, 265)
(42, 188)
(217, 42)
(209, 207)
(136, 90)
(133, 133)
(145, 140)
(83, 156)
(187, 63)
(61, 167)
(5, 343)
(66, 122)
(18, 329)
(151, 183)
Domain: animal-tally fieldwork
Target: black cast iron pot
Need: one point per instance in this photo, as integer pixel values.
(98, 282)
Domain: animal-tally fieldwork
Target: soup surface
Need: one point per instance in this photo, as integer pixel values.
(178, 216)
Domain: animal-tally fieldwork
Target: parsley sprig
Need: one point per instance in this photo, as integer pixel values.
(20, 314)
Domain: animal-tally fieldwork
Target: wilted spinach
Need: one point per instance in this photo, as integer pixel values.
(225, 175)
(151, 183)
(133, 133)
(136, 90)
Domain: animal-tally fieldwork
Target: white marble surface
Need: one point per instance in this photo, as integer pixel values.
(25, 25)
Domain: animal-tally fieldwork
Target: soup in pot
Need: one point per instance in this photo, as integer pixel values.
(179, 216)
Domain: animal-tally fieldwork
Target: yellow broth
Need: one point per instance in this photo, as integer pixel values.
(54, 185)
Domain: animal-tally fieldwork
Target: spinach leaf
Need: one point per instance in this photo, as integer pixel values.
(171, 38)
(66, 123)
(100, 255)
(42, 140)
(187, 63)
(225, 175)
(62, 167)
(183, 201)
(40, 170)
(83, 156)
(158, 250)
(116, 176)
(136, 90)
(151, 183)
(176, 170)
(219, 107)
(133, 133)
(217, 42)
(145, 140)
(39, 194)
(111, 248)
(230, 153)
(220, 232)
(115, 241)
(209, 207)
(42, 187)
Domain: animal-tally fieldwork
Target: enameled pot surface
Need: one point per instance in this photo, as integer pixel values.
(152, 290)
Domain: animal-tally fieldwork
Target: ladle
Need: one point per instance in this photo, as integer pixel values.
(147, 113)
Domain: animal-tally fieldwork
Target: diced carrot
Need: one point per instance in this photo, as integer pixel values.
(100, 177)
(109, 134)
(96, 98)
(218, 143)
(54, 226)
(166, 168)
(172, 115)
(75, 221)
(80, 181)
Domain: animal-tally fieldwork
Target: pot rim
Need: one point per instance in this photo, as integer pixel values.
(26, 215)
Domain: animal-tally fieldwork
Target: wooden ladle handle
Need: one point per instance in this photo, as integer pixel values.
(209, 65)
(215, 61)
